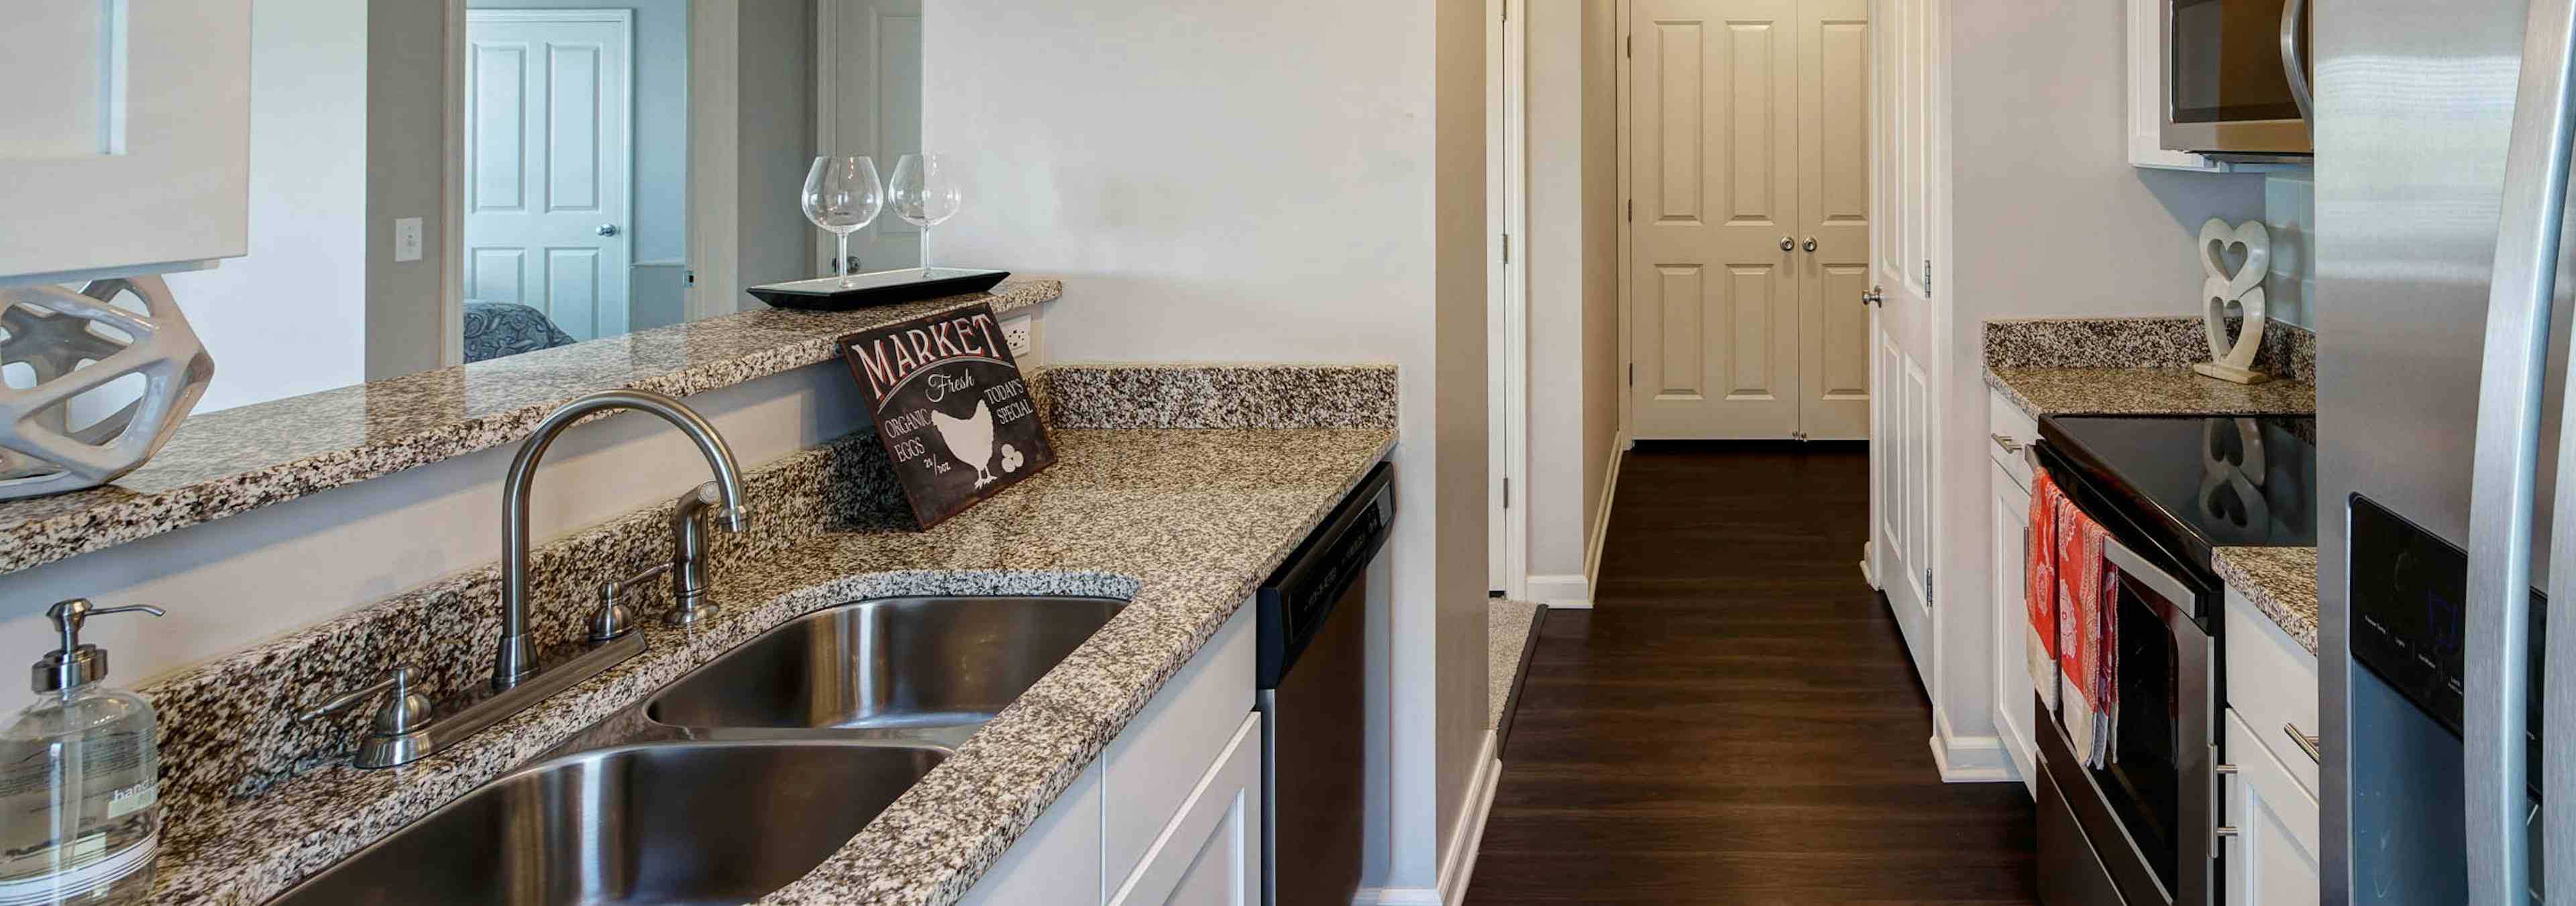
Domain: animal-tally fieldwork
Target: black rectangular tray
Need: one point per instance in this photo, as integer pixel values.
(877, 288)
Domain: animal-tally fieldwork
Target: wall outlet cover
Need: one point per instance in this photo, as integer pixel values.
(406, 239)
(1017, 332)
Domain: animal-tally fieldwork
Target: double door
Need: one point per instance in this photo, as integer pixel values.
(1748, 146)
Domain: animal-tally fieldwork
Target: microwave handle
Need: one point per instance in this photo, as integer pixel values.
(2294, 58)
(2497, 656)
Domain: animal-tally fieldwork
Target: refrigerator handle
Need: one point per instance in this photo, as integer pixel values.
(2496, 661)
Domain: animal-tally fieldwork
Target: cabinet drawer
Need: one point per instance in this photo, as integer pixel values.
(1182, 731)
(1210, 855)
(2272, 682)
(2008, 430)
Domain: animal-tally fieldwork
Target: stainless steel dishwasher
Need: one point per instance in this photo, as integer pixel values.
(1312, 687)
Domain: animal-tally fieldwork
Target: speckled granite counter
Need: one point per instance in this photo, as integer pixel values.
(1184, 523)
(225, 463)
(2141, 366)
(2280, 581)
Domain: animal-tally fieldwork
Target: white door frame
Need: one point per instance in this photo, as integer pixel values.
(1508, 295)
(451, 342)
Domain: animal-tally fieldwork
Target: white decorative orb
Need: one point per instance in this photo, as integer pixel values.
(75, 342)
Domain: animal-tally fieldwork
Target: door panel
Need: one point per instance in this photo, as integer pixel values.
(547, 149)
(1834, 207)
(1715, 144)
(1907, 229)
(873, 85)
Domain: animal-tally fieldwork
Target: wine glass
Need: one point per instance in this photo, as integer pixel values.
(925, 193)
(842, 196)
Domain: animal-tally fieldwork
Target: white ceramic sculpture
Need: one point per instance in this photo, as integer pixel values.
(75, 342)
(2234, 362)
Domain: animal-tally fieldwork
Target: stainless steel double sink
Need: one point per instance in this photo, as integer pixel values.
(765, 762)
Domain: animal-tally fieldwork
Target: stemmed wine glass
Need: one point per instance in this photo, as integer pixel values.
(842, 196)
(925, 193)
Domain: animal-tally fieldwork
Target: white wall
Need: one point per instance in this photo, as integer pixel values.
(236, 581)
(291, 316)
(1573, 294)
(2048, 219)
(1261, 182)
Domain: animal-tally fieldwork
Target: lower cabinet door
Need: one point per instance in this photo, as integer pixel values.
(1210, 854)
(2272, 859)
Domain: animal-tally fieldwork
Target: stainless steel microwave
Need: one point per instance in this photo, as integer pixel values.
(2236, 77)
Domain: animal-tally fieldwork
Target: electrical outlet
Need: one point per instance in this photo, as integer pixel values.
(1017, 332)
(407, 239)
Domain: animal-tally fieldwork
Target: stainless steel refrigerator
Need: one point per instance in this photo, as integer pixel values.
(2441, 311)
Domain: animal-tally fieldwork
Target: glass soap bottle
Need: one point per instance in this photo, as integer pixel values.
(80, 813)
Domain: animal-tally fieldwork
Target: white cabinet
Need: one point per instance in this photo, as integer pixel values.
(2271, 858)
(127, 145)
(1170, 813)
(2147, 98)
(2009, 521)
(1210, 855)
(2272, 684)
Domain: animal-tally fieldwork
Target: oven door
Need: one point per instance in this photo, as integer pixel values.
(2236, 77)
(2149, 814)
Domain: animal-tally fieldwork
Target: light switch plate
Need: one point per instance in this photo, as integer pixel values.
(1016, 332)
(406, 239)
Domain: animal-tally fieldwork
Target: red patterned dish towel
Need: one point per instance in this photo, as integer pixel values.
(2088, 593)
(2039, 590)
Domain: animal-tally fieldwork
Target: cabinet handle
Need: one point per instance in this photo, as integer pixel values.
(2010, 445)
(2306, 742)
(2224, 830)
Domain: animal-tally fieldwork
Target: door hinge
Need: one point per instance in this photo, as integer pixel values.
(1632, 45)
(1927, 278)
(1927, 587)
(1507, 493)
(1507, 10)
(1632, 209)
(1632, 374)
(1507, 248)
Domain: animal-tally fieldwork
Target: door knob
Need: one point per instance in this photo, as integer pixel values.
(1876, 296)
(1787, 243)
(608, 229)
(1811, 243)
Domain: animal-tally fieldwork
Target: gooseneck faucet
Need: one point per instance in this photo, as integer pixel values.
(516, 659)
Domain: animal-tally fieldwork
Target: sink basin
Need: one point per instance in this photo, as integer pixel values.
(893, 663)
(662, 823)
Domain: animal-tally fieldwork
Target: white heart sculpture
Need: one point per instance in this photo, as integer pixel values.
(58, 335)
(2243, 287)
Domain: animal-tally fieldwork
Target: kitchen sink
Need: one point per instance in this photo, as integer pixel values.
(903, 665)
(661, 823)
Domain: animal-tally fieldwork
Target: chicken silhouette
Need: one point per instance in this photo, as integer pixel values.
(970, 439)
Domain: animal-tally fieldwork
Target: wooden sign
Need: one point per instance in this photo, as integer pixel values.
(951, 408)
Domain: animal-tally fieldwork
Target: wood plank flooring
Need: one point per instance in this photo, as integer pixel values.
(1738, 722)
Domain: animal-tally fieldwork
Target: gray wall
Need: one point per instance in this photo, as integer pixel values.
(1573, 247)
(406, 177)
(777, 142)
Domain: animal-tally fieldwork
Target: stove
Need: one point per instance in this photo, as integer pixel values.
(2187, 484)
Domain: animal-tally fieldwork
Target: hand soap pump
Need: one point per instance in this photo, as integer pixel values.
(80, 815)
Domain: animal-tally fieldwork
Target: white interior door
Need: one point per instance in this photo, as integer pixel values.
(1713, 179)
(870, 76)
(1908, 232)
(548, 148)
(1833, 215)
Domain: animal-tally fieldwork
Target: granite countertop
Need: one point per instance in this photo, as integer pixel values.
(2280, 581)
(1185, 523)
(225, 463)
(2146, 391)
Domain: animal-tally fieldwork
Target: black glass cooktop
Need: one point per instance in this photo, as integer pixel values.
(2192, 482)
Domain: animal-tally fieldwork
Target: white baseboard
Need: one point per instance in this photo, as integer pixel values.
(1601, 522)
(1968, 759)
(1467, 835)
(1564, 592)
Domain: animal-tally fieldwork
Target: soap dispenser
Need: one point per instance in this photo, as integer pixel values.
(80, 815)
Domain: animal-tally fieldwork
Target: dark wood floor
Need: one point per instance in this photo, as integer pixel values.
(1737, 722)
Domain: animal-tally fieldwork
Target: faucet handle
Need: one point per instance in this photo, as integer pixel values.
(614, 618)
(403, 712)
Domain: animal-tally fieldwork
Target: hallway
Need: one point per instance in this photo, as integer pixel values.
(1738, 722)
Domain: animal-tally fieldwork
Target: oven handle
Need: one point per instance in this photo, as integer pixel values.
(2497, 653)
(2294, 58)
